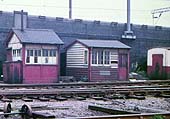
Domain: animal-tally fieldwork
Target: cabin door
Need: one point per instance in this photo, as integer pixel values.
(157, 62)
(13, 73)
(123, 66)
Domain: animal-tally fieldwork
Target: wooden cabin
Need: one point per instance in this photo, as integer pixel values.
(158, 63)
(32, 56)
(97, 60)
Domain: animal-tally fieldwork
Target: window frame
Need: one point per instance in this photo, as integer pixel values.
(41, 56)
(97, 55)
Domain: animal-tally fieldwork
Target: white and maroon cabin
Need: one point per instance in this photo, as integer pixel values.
(32, 56)
(97, 60)
(158, 57)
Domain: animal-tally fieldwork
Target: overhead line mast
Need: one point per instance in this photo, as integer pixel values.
(128, 34)
(156, 13)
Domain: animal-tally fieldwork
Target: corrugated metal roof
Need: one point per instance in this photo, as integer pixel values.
(41, 36)
(103, 43)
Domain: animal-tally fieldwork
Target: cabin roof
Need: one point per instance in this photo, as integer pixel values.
(157, 48)
(39, 36)
(103, 43)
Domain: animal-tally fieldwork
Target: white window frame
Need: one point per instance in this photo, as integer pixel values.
(101, 50)
(42, 58)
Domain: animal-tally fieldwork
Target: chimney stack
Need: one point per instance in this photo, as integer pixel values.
(22, 25)
(20, 20)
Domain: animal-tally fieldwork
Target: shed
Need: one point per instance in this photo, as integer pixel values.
(97, 60)
(158, 63)
(32, 56)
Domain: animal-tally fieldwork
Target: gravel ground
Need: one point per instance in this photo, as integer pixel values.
(74, 108)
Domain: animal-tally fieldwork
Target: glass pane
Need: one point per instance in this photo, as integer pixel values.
(94, 57)
(51, 52)
(45, 52)
(39, 52)
(107, 57)
(36, 53)
(31, 52)
(28, 60)
(35, 59)
(54, 52)
(100, 57)
(28, 53)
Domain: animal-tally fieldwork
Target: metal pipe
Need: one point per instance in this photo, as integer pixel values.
(128, 16)
(70, 9)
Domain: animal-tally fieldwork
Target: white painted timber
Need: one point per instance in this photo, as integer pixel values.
(15, 44)
(162, 51)
(75, 56)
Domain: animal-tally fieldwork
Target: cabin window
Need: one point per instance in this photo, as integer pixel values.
(39, 53)
(35, 56)
(85, 57)
(18, 52)
(31, 52)
(45, 52)
(41, 56)
(52, 52)
(106, 57)
(14, 53)
(28, 56)
(114, 59)
(100, 57)
(94, 57)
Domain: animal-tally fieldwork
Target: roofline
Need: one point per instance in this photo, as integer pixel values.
(106, 46)
(9, 36)
(110, 47)
(67, 47)
(75, 41)
(44, 43)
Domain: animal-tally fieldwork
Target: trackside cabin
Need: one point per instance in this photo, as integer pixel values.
(32, 56)
(97, 60)
(158, 63)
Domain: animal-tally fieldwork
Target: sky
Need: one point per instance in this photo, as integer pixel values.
(103, 10)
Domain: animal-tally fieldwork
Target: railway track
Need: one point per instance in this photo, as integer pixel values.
(90, 89)
(129, 116)
(126, 90)
(89, 84)
(104, 88)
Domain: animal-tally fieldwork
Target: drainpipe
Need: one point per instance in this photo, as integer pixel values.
(89, 64)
